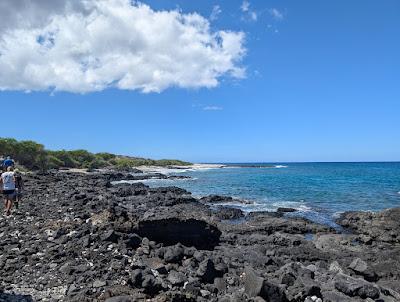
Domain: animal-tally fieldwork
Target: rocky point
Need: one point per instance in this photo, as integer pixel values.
(83, 237)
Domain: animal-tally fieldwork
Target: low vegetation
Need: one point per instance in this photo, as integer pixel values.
(34, 156)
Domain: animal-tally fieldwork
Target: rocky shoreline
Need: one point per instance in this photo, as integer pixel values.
(80, 237)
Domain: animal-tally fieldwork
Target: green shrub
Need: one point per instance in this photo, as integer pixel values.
(8, 146)
(97, 164)
(81, 156)
(53, 162)
(65, 157)
(172, 162)
(105, 156)
(33, 156)
(27, 153)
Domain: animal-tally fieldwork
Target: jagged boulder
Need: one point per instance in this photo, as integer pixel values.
(360, 267)
(354, 287)
(257, 286)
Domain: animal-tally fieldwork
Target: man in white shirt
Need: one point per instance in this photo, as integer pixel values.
(7, 183)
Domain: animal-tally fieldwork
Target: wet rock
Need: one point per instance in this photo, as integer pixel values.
(256, 216)
(178, 177)
(226, 213)
(286, 210)
(216, 199)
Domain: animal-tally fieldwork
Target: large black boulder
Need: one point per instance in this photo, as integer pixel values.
(190, 232)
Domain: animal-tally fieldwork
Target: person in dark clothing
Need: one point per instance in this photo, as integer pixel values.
(8, 162)
(19, 188)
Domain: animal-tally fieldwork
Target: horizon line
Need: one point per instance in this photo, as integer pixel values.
(301, 162)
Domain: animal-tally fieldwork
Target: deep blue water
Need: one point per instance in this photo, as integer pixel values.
(319, 191)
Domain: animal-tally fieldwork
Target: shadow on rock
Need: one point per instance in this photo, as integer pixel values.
(5, 297)
(189, 232)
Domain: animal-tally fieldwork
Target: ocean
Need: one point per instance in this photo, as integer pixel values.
(319, 191)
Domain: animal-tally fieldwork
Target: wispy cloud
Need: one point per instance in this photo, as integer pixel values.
(248, 13)
(276, 14)
(253, 16)
(212, 108)
(272, 28)
(216, 11)
(245, 6)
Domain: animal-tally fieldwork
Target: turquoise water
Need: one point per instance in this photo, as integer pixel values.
(319, 191)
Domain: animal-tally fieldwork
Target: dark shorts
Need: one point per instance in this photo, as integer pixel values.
(9, 193)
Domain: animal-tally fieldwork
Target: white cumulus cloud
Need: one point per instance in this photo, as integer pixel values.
(91, 45)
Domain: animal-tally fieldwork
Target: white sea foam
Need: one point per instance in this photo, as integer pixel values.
(297, 205)
(129, 181)
(253, 207)
(257, 206)
(180, 169)
(156, 181)
(280, 166)
(337, 214)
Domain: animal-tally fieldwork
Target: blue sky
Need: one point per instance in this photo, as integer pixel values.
(322, 83)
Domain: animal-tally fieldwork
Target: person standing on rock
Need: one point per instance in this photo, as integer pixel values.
(19, 187)
(7, 182)
(8, 162)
